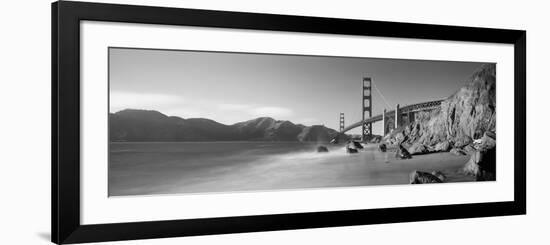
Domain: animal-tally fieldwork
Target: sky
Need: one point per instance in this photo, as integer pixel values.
(235, 87)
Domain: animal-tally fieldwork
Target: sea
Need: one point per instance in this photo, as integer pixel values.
(148, 168)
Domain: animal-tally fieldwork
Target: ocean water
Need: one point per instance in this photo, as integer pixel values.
(145, 168)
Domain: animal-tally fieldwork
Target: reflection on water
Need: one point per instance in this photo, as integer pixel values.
(194, 167)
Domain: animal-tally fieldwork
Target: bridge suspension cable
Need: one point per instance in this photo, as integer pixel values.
(381, 95)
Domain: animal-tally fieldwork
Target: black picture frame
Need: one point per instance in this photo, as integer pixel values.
(65, 167)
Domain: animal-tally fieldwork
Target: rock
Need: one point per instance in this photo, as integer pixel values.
(463, 141)
(356, 144)
(353, 146)
(402, 153)
(472, 167)
(439, 175)
(382, 147)
(418, 148)
(322, 148)
(465, 115)
(418, 177)
(351, 150)
(488, 141)
(469, 149)
(491, 134)
(372, 138)
(443, 146)
(482, 165)
(458, 152)
(375, 139)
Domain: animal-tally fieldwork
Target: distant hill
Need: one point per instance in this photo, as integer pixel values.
(146, 125)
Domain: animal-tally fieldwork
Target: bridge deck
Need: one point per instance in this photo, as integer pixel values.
(424, 106)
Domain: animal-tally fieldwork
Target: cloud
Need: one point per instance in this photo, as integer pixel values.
(173, 105)
(276, 112)
(123, 100)
(234, 107)
(272, 111)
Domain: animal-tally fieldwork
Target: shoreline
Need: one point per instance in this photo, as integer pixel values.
(452, 175)
(152, 169)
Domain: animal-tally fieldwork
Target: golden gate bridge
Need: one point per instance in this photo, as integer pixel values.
(390, 119)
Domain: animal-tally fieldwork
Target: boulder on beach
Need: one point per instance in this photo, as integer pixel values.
(458, 152)
(463, 141)
(351, 150)
(443, 146)
(487, 141)
(418, 177)
(375, 139)
(353, 146)
(402, 153)
(482, 165)
(382, 147)
(322, 148)
(439, 175)
(418, 148)
(469, 148)
(356, 144)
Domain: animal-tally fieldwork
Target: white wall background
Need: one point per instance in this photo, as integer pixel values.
(25, 121)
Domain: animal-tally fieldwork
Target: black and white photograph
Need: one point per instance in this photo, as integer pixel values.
(190, 122)
(274, 122)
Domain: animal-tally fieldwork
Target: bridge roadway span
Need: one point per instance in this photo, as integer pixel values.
(424, 106)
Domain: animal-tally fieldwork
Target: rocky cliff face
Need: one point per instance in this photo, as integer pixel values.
(467, 115)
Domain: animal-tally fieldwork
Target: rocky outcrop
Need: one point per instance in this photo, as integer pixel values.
(355, 144)
(443, 146)
(482, 165)
(382, 147)
(402, 153)
(322, 148)
(418, 177)
(417, 148)
(488, 141)
(439, 175)
(462, 118)
(351, 150)
(374, 139)
(458, 152)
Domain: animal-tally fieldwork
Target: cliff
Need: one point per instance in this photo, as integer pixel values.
(467, 115)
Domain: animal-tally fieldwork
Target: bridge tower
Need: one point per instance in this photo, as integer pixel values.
(366, 131)
(342, 122)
